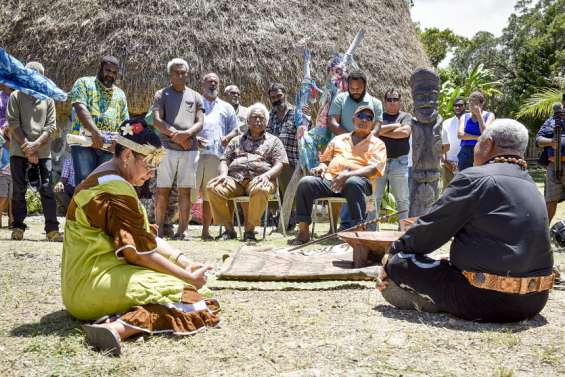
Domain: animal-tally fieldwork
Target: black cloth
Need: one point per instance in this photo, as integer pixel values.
(444, 285)
(354, 191)
(18, 168)
(396, 147)
(497, 218)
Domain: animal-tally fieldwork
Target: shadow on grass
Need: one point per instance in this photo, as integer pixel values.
(447, 321)
(59, 323)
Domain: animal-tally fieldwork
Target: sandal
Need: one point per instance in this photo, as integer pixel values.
(207, 237)
(296, 242)
(103, 339)
(227, 235)
(178, 237)
(249, 236)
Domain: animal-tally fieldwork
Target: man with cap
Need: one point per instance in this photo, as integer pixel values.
(347, 167)
(31, 123)
(99, 107)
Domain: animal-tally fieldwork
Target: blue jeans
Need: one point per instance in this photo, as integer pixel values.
(86, 159)
(465, 157)
(396, 175)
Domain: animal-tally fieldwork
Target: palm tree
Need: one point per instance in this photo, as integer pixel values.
(540, 104)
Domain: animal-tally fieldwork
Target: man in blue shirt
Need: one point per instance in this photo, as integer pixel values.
(553, 187)
(219, 120)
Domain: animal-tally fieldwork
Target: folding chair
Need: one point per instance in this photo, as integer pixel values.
(275, 197)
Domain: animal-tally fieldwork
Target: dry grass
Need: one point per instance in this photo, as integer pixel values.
(347, 332)
(249, 43)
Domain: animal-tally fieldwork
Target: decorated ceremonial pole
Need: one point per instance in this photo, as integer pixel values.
(352, 229)
(311, 142)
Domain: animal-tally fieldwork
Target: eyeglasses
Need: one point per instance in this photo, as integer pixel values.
(365, 116)
(459, 105)
(233, 93)
(393, 99)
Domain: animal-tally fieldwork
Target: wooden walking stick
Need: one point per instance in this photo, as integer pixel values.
(353, 228)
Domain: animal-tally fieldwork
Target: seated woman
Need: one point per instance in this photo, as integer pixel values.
(249, 166)
(347, 166)
(115, 267)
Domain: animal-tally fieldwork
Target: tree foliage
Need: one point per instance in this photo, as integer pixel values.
(523, 63)
(438, 43)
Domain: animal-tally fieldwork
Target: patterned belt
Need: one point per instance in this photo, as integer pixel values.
(509, 284)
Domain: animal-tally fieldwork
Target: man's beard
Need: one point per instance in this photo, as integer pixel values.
(107, 81)
(360, 97)
(279, 105)
(212, 93)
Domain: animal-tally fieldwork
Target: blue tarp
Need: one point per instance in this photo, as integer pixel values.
(16, 76)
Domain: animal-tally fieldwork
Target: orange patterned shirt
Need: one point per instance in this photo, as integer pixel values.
(341, 155)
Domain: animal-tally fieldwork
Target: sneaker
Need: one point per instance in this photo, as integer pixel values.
(249, 236)
(18, 234)
(227, 235)
(55, 236)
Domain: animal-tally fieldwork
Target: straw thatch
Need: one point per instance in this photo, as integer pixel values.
(249, 43)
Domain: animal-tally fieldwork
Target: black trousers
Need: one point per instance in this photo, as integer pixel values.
(19, 167)
(354, 191)
(446, 286)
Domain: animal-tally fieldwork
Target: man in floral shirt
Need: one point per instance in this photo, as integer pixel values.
(99, 107)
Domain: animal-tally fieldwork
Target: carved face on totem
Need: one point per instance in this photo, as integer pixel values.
(425, 93)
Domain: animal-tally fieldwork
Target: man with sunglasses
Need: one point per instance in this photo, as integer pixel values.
(450, 142)
(232, 95)
(347, 167)
(395, 133)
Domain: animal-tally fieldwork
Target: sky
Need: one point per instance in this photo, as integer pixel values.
(464, 17)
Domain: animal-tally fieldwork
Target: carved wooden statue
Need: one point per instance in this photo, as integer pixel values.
(426, 141)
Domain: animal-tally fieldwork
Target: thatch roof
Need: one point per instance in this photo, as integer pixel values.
(249, 43)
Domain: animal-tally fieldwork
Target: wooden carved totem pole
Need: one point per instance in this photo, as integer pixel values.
(426, 141)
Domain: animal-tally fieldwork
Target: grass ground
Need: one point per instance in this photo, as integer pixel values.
(344, 332)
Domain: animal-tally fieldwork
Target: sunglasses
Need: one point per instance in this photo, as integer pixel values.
(393, 99)
(365, 116)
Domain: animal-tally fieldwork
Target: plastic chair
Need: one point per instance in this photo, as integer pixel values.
(332, 200)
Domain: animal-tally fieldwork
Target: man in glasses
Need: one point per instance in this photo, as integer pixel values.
(347, 167)
(450, 142)
(232, 95)
(395, 133)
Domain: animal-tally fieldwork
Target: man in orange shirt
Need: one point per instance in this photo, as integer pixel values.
(347, 169)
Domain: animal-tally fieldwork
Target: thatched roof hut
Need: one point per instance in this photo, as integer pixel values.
(249, 43)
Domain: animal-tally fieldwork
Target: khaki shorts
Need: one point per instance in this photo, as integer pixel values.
(208, 169)
(553, 188)
(181, 164)
(5, 183)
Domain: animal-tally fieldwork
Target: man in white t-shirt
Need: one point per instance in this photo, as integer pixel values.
(451, 144)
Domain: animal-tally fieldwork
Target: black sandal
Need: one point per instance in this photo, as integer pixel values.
(296, 242)
(227, 235)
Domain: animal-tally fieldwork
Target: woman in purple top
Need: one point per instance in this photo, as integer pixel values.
(471, 126)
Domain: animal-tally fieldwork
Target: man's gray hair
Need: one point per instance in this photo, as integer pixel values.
(258, 106)
(175, 62)
(508, 134)
(229, 88)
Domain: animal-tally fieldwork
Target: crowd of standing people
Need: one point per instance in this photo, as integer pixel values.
(197, 128)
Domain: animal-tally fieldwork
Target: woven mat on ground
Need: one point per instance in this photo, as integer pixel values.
(268, 264)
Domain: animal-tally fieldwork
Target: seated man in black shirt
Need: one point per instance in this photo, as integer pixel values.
(500, 266)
